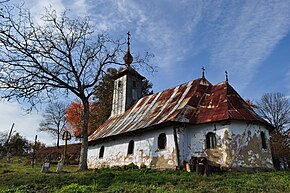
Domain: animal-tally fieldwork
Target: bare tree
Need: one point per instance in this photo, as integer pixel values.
(54, 121)
(1, 9)
(275, 108)
(60, 56)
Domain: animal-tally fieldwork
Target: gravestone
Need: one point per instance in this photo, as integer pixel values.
(9, 156)
(60, 164)
(46, 164)
(45, 167)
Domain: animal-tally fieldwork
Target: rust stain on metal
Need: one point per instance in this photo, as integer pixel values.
(195, 102)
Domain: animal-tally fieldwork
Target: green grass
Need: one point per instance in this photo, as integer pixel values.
(22, 178)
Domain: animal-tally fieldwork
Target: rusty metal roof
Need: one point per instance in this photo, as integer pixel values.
(222, 102)
(195, 102)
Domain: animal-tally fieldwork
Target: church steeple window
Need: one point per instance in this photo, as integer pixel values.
(119, 84)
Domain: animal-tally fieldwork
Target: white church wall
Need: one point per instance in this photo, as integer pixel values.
(238, 145)
(246, 148)
(145, 152)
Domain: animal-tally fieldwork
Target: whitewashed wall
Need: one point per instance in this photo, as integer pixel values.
(146, 151)
(239, 145)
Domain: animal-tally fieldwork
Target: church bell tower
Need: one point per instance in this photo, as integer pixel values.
(127, 86)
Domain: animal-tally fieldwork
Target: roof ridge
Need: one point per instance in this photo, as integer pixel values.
(184, 109)
(185, 84)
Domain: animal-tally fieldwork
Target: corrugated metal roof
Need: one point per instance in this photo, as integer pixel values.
(195, 102)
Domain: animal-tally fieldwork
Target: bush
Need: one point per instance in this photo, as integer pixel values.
(75, 188)
(131, 166)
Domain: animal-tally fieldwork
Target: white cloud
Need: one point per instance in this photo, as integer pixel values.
(246, 36)
(25, 124)
(37, 8)
(158, 26)
(238, 35)
(78, 8)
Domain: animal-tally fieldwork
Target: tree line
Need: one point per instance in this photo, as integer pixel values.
(17, 145)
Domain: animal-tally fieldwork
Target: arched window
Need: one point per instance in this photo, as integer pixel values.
(210, 140)
(131, 147)
(101, 154)
(162, 141)
(263, 139)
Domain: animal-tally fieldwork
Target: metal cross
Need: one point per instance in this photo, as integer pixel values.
(227, 78)
(128, 39)
(203, 69)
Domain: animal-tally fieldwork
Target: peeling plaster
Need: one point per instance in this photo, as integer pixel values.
(238, 146)
(146, 151)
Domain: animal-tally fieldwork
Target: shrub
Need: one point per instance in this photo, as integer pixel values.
(131, 166)
(75, 188)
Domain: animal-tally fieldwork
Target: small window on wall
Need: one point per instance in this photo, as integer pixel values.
(101, 154)
(162, 141)
(210, 140)
(263, 140)
(131, 147)
(119, 84)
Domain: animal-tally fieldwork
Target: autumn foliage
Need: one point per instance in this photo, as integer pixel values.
(74, 116)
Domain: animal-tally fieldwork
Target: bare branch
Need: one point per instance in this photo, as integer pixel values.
(54, 120)
(62, 55)
(275, 108)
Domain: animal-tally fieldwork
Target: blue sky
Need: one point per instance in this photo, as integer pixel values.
(250, 39)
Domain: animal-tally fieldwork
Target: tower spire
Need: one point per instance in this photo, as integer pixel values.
(128, 58)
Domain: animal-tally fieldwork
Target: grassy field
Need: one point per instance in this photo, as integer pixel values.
(23, 178)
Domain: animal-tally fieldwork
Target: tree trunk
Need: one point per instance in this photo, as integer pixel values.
(84, 147)
(57, 143)
(58, 133)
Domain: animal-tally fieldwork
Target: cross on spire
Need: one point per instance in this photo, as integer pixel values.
(227, 78)
(128, 58)
(128, 42)
(203, 69)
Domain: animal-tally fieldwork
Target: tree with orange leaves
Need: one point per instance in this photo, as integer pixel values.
(74, 114)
